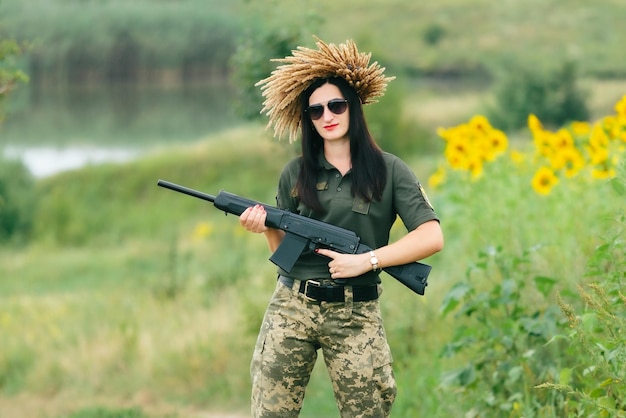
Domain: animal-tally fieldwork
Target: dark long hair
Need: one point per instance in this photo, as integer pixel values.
(369, 175)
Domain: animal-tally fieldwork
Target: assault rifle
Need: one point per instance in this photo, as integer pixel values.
(306, 234)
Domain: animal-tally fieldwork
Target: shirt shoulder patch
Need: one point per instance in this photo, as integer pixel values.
(423, 192)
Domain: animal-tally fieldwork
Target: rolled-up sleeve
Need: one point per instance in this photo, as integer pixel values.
(410, 200)
(285, 196)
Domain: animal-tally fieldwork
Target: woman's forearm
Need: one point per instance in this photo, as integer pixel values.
(422, 242)
(274, 237)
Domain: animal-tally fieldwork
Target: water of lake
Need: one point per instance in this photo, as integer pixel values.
(54, 129)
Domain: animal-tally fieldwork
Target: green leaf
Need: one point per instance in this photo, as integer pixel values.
(509, 287)
(589, 321)
(544, 284)
(467, 376)
(454, 347)
(515, 374)
(589, 370)
(454, 297)
(596, 393)
(618, 186)
(606, 402)
(532, 326)
(565, 376)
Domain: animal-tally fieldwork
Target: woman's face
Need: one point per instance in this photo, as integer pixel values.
(330, 125)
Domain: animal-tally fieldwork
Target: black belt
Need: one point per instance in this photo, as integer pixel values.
(331, 293)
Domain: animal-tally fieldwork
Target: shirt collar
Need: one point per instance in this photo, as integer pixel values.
(323, 162)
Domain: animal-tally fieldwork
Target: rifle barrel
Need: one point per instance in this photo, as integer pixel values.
(185, 190)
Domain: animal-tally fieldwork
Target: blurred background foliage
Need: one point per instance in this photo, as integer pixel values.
(115, 39)
(80, 41)
(519, 45)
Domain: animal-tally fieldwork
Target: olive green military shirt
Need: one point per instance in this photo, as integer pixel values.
(403, 196)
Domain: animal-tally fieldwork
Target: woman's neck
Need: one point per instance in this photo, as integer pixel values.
(338, 154)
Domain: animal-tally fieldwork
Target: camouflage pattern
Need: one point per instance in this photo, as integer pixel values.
(354, 347)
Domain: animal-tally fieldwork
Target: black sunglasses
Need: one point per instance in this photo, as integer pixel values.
(337, 106)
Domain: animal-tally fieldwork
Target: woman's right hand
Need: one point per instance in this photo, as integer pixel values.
(253, 219)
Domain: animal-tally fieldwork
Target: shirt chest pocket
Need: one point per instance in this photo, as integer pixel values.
(360, 206)
(340, 196)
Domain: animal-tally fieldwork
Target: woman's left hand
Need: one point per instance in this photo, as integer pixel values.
(253, 219)
(346, 266)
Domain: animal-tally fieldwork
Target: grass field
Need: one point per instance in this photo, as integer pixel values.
(470, 35)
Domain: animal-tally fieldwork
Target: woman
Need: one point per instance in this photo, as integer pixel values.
(329, 301)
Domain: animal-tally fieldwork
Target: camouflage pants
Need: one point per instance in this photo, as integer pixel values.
(354, 346)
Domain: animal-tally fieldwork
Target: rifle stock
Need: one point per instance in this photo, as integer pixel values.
(304, 233)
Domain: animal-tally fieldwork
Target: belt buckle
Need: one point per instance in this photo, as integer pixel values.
(306, 289)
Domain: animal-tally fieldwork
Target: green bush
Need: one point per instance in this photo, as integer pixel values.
(594, 379)
(251, 63)
(259, 43)
(119, 40)
(10, 75)
(553, 96)
(503, 322)
(528, 356)
(434, 33)
(17, 201)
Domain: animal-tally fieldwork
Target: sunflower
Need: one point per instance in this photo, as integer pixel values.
(544, 180)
